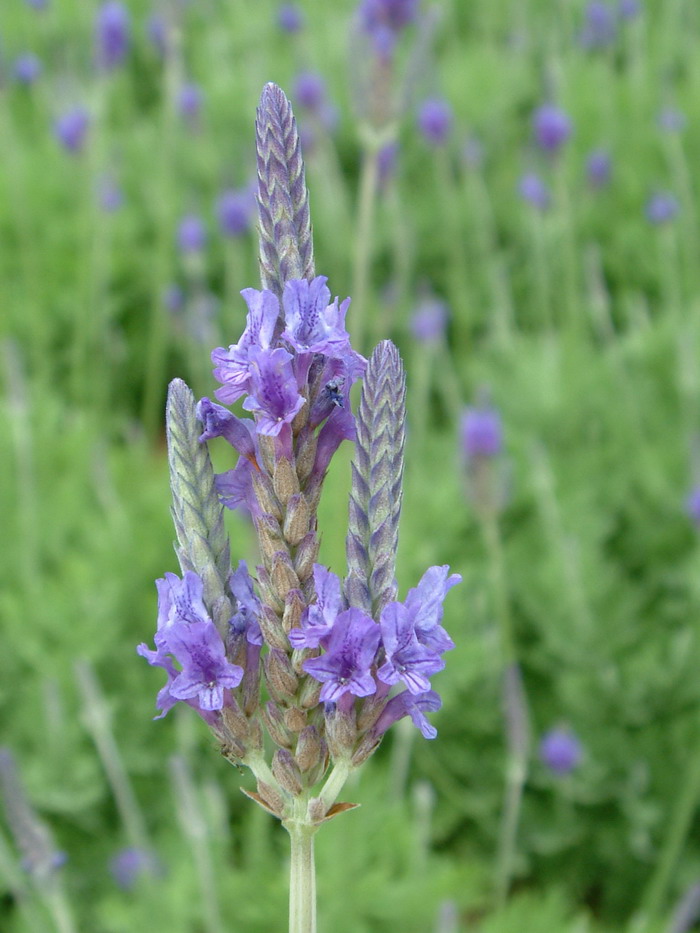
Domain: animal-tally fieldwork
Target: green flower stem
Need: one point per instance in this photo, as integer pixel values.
(302, 877)
(686, 805)
(335, 783)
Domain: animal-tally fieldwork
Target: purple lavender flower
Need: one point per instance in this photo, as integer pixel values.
(219, 422)
(692, 505)
(405, 704)
(112, 34)
(661, 208)
(406, 658)
(551, 127)
(290, 18)
(481, 433)
(425, 605)
(274, 396)
(384, 20)
(189, 102)
(671, 120)
(560, 751)
(246, 618)
(129, 864)
(598, 168)
(317, 622)
(429, 321)
(157, 31)
(313, 324)
(71, 129)
(27, 69)
(628, 9)
(174, 298)
(386, 163)
(310, 91)
(191, 234)
(534, 190)
(38, 4)
(435, 120)
(235, 209)
(233, 365)
(345, 667)
(599, 29)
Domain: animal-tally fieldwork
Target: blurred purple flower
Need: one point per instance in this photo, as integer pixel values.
(598, 168)
(310, 90)
(27, 68)
(112, 26)
(551, 127)
(157, 31)
(628, 9)
(235, 210)
(435, 120)
(38, 4)
(600, 28)
(534, 190)
(429, 320)
(661, 207)
(290, 18)
(127, 866)
(481, 433)
(392, 14)
(71, 129)
(692, 505)
(386, 163)
(174, 298)
(560, 751)
(110, 195)
(191, 234)
(189, 102)
(671, 120)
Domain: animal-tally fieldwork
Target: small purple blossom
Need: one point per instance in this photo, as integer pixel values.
(405, 704)
(317, 621)
(598, 168)
(189, 102)
(232, 366)
(671, 120)
(481, 433)
(174, 298)
(600, 28)
(310, 91)
(71, 129)
(235, 211)
(38, 4)
(274, 396)
(560, 751)
(692, 505)
(551, 128)
(191, 234)
(406, 658)
(661, 208)
(131, 863)
(535, 191)
(385, 19)
(112, 27)
(27, 69)
(290, 18)
(246, 619)
(313, 324)
(435, 120)
(429, 321)
(629, 9)
(425, 604)
(345, 667)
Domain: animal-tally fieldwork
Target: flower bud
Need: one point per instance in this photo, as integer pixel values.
(295, 719)
(308, 748)
(280, 677)
(307, 553)
(294, 605)
(297, 520)
(285, 480)
(282, 575)
(274, 723)
(286, 771)
(272, 629)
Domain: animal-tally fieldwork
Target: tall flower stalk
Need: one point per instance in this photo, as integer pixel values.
(323, 666)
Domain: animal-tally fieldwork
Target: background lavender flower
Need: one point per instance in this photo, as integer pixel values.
(481, 433)
(551, 128)
(560, 751)
(661, 207)
(191, 234)
(38, 4)
(130, 864)
(692, 505)
(628, 9)
(600, 28)
(189, 102)
(384, 20)
(671, 120)
(429, 320)
(598, 168)
(174, 298)
(534, 190)
(435, 120)
(71, 129)
(111, 34)
(290, 18)
(310, 90)
(157, 31)
(235, 211)
(27, 68)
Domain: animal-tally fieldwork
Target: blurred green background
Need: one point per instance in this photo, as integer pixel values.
(580, 320)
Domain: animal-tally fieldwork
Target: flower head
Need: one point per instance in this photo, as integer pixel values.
(235, 210)
(482, 433)
(406, 658)
(429, 320)
(534, 190)
(318, 620)
(310, 90)
(313, 324)
(435, 120)
(551, 127)
(661, 208)
(27, 69)
(345, 667)
(274, 396)
(598, 168)
(692, 505)
(290, 18)
(189, 102)
(112, 34)
(191, 234)
(71, 129)
(560, 751)
(232, 366)
(600, 28)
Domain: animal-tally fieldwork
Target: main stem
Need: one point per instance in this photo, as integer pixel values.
(302, 878)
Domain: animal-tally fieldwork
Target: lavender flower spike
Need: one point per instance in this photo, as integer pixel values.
(286, 244)
(202, 544)
(377, 473)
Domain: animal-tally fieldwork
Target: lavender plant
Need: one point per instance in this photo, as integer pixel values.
(323, 665)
